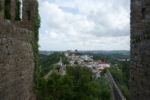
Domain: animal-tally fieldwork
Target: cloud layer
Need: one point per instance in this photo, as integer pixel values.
(84, 24)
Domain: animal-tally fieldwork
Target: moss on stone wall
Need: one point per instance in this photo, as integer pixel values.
(36, 25)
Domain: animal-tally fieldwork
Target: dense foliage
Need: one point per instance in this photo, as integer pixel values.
(47, 62)
(121, 76)
(77, 84)
(105, 93)
(119, 69)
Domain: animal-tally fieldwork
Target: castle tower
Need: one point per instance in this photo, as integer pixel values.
(16, 49)
(140, 50)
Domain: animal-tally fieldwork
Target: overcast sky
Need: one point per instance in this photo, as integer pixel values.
(84, 24)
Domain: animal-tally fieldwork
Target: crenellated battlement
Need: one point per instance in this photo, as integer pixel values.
(19, 12)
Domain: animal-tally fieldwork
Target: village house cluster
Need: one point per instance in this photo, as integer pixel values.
(97, 66)
(74, 58)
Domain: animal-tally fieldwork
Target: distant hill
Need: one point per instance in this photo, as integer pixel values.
(125, 52)
(109, 54)
(113, 54)
(46, 52)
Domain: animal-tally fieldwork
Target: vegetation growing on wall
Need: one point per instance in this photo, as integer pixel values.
(7, 9)
(36, 25)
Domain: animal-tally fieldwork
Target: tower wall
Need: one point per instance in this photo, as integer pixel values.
(140, 50)
(16, 53)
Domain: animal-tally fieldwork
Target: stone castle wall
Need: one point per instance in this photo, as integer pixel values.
(140, 50)
(16, 52)
(16, 63)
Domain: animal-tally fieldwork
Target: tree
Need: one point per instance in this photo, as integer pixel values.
(77, 84)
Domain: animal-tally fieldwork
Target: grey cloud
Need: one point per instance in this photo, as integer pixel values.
(95, 22)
